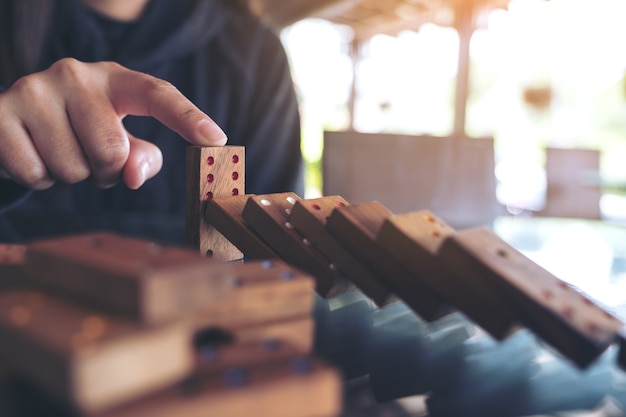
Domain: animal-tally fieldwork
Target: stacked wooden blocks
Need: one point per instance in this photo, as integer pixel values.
(116, 326)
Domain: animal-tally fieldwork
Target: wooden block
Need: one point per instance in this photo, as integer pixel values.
(295, 387)
(12, 260)
(87, 360)
(225, 215)
(127, 276)
(356, 228)
(268, 216)
(212, 172)
(414, 239)
(260, 292)
(563, 317)
(309, 218)
(221, 347)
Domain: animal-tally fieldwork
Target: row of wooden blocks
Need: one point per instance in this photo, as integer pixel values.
(418, 259)
(114, 326)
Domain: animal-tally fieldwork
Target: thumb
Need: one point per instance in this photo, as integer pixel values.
(144, 162)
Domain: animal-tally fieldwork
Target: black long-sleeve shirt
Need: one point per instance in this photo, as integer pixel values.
(225, 61)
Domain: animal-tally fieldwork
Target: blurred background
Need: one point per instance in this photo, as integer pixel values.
(542, 82)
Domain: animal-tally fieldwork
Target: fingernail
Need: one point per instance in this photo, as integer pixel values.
(212, 132)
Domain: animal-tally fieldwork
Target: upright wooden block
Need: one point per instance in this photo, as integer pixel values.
(259, 292)
(225, 214)
(356, 228)
(12, 260)
(414, 239)
(563, 317)
(87, 360)
(294, 387)
(212, 172)
(309, 218)
(127, 276)
(268, 216)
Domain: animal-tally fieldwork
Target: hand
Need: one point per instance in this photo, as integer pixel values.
(65, 124)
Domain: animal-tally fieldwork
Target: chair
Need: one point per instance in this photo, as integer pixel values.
(453, 178)
(567, 193)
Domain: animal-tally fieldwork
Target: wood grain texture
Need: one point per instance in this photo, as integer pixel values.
(126, 276)
(295, 387)
(225, 215)
(259, 292)
(560, 315)
(212, 172)
(85, 359)
(268, 216)
(309, 218)
(356, 228)
(249, 345)
(414, 239)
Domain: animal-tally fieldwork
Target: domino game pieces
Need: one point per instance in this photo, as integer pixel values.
(415, 240)
(91, 361)
(268, 215)
(561, 316)
(212, 172)
(356, 228)
(309, 218)
(226, 216)
(293, 387)
(126, 276)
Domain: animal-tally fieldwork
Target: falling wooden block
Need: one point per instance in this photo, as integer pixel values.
(221, 347)
(356, 228)
(560, 315)
(87, 360)
(12, 260)
(225, 215)
(259, 292)
(212, 172)
(127, 276)
(268, 216)
(294, 387)
(309, 218)
(414, 239)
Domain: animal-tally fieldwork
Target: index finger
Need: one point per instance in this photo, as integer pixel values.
(144, 95)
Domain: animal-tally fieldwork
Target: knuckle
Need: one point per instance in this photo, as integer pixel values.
(31, 87)
(71, 174)
(111, 153)
(73, 74)
(157, 89)
(111, 66)
(68, 68)
(187, 113)
(156, 85)
(36, 178)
